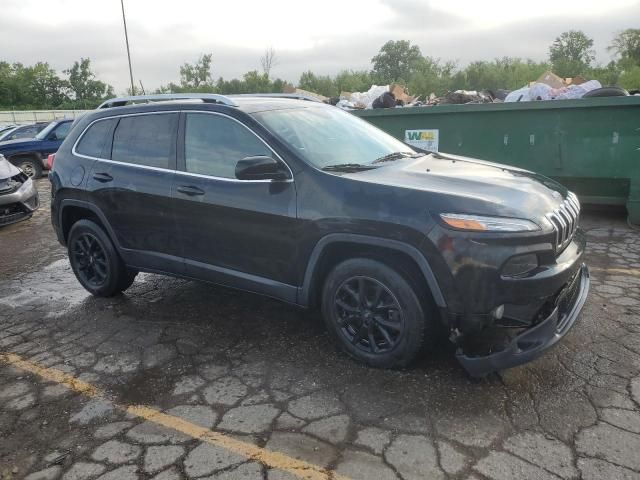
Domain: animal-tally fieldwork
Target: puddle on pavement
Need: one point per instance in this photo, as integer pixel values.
(55, 284)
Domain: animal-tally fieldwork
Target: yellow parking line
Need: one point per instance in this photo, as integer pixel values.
(617, 271)
(269, 458)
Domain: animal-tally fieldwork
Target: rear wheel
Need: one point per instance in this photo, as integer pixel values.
(95, 261)
(374, 313)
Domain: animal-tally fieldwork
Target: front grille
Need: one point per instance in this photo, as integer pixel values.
(565, 220)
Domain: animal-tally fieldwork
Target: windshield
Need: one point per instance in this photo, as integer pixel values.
(325, 136)
(5, 133)
(43, 134)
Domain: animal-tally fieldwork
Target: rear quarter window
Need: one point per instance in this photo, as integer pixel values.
(95, 138)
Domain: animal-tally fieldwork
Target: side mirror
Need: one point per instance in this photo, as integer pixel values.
(260, 167)
(52, 136)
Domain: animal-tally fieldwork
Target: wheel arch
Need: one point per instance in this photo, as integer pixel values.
(72, 210)
(16, 157)
(333, 248)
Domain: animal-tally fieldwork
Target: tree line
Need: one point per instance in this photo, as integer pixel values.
(571, 54)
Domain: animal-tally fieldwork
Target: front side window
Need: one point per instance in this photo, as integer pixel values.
(95, 138)
(213, 144)
(145, 140)
(324, 135)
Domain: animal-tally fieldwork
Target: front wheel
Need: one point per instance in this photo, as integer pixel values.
(374, 313)
(95, 261)
(29, 165)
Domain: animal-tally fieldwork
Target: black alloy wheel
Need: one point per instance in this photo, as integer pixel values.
(95, 261)
(91, 260)
(377, 315)
(369, 315)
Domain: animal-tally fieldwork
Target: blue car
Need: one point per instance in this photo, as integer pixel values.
(30, 154)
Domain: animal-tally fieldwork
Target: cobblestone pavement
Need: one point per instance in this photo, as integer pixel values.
(266, 374)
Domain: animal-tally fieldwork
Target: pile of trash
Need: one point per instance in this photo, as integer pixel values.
(551, 87)
(378, 96)
(548, 87)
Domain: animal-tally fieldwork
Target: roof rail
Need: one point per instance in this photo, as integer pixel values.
(205, 97)
(295, 96)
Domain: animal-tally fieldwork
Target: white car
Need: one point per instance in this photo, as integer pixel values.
(18, 194)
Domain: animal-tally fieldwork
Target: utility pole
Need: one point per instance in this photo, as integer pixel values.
(126, 38)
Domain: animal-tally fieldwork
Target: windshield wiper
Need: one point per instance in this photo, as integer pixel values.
(347, 167)
(395, 156)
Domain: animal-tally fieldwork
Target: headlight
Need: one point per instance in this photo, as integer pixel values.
(480, 223)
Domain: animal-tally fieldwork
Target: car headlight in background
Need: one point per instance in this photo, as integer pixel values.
(480, 223)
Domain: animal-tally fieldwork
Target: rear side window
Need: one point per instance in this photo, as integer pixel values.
(95, 138)
(213, 144)
(146, 140)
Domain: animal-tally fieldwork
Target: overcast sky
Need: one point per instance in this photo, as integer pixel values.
(324, 36)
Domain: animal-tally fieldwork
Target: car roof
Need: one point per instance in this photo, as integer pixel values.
(248, 103)
(260, 104)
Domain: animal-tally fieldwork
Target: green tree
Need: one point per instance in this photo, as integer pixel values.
(353, 81)
(322, 84)
(84, 89)
(630, 79)
(196, 77)
(46, 87)
(607, 75)
(500, 73)
(255, 82)
(571, 53)
(431, 75)
(627, 46)
(37, 86)
(396, 61)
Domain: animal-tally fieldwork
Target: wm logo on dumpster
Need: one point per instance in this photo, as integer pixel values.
(425, 139)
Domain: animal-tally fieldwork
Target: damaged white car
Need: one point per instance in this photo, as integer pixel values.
(18, 194)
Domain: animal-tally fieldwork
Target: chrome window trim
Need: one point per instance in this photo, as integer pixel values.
(176, 171)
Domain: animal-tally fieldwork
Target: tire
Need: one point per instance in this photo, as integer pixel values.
(606, 92)
(30, 165)
(95, 261)
(408, 330)
(127, 279)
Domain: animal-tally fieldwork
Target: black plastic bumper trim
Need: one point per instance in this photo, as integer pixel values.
(532, 343)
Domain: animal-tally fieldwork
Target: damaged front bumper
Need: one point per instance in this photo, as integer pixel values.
(534, 341)
(18, 204)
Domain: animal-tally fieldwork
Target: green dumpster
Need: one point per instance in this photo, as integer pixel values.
(592, 146)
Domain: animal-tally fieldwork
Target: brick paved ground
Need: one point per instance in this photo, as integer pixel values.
(266, 373)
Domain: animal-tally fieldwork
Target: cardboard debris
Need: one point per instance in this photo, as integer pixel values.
(579, 80)
(400, 93)
(299, 91)
(551, 79)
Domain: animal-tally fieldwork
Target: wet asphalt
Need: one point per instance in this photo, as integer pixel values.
(266, 373)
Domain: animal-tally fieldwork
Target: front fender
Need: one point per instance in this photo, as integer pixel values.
(304, 292)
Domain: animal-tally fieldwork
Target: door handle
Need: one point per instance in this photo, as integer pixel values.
(102, 177)
(190, 190)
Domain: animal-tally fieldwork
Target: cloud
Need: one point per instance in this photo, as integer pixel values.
(348, 38)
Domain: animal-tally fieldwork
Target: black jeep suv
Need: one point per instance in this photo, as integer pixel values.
(306, 203)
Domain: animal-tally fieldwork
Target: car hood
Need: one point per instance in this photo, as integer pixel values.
(7, 170)
(466, 185)
(18, 143)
